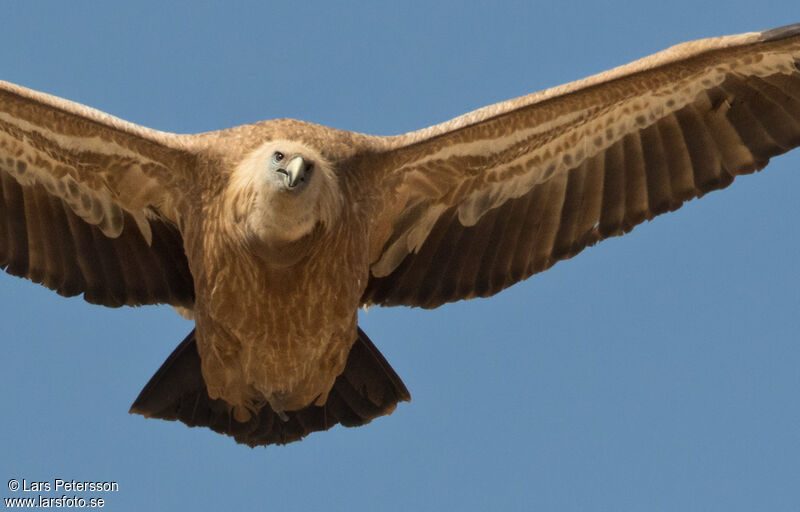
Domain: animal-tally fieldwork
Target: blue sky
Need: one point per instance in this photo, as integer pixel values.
(657, 371)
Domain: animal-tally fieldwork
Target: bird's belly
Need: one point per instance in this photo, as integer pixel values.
(286, 364)
(278, 334)
(295, 374)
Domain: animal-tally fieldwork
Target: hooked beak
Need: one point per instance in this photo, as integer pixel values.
(295, 171)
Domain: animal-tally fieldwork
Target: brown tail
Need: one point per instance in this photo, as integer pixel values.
(367, 388)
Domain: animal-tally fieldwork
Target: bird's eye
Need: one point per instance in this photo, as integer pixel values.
(278, 156)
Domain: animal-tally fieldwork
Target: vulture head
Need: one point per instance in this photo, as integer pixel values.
(281, 194)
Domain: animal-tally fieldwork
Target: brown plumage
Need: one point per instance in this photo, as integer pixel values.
(272, 235)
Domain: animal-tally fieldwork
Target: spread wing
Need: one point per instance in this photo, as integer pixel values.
(89, 203)
(469, 207)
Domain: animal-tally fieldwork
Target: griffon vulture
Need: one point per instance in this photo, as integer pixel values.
(273, 234)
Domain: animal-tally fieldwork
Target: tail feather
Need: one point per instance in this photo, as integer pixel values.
(367, 388)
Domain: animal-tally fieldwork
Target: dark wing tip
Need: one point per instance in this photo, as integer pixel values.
(368, 388)
(776, 34)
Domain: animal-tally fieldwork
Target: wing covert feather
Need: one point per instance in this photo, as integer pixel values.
(90, 203)
(493, 196)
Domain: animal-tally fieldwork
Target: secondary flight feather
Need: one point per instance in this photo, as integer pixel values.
(272, 235)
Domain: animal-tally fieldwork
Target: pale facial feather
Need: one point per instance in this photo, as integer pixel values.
(260, 206)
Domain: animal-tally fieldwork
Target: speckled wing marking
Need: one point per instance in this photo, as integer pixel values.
(473, 205)
(88, 203)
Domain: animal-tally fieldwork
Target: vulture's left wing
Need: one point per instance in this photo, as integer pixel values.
(90, 203)
(468, 207)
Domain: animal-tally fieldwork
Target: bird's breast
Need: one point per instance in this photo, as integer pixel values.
(277, 334)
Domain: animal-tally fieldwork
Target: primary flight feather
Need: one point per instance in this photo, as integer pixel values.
(272, 235)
